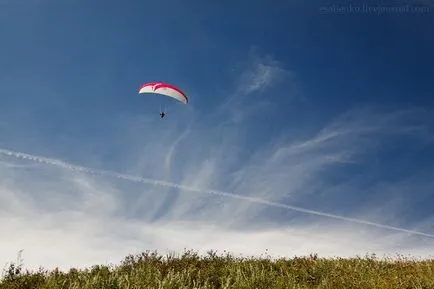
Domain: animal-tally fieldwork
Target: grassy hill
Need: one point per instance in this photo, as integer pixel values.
(190, 270)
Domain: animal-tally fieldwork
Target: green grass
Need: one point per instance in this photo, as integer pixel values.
(190, 270)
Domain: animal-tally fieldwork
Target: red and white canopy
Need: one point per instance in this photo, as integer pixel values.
(164, 89)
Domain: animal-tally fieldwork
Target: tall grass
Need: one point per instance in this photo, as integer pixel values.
(190, 270)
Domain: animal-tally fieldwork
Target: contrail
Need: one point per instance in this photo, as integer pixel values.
(71, 167)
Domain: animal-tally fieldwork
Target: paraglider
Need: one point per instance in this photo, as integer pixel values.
(164, 89)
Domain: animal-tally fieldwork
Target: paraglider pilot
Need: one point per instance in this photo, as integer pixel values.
(162, 114)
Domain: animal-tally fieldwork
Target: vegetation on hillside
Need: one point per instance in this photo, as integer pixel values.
(190, 270)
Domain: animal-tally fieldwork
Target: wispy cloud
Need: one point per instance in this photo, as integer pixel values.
(254, 87)
(80, 213)
(192, 187)
(259, 73)
(204, 189)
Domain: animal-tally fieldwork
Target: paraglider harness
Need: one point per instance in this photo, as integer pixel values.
(162, 114)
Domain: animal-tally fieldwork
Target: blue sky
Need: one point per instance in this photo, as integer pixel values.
(298, 104)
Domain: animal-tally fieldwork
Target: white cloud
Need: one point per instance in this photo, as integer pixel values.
(62, 218)
(261, 73)
(258, 80)
(66, 216)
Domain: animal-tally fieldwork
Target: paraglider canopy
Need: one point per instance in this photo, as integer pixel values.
(164, 89)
